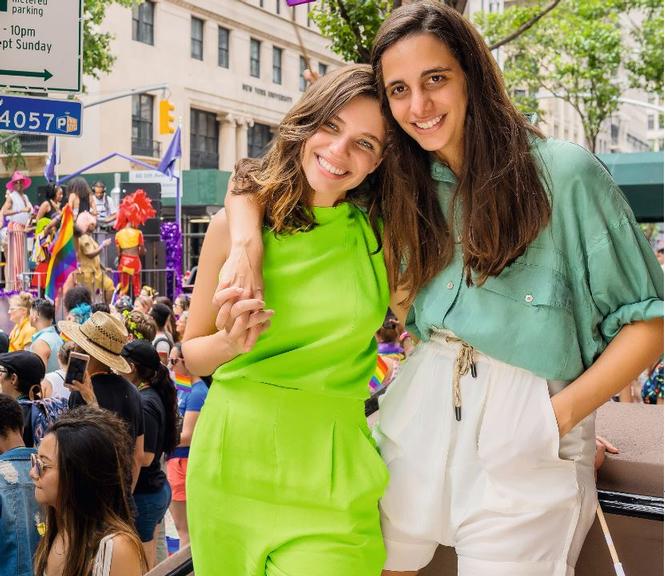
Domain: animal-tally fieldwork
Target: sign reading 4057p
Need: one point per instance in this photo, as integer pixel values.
(40, 44)
(40, 115)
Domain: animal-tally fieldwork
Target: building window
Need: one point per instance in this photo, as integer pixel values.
(142, 112)
(323, 69)
(255, 58)
(203, 139)
(614, 133)
(261, 3)
(303, 67)
(276, 65)
(650, 122)
(143, 22)
(258, 139)
(223, 50)
(278, 3)
(197, 38)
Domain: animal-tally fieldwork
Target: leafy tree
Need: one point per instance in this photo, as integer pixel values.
(645, 62)
(575, 55)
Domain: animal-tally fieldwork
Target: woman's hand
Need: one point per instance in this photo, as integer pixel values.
(247, 317)
(602, 446)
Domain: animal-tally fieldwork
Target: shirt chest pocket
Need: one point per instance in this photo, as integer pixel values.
(531, 286)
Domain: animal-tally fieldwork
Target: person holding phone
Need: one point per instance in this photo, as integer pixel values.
(102, 337)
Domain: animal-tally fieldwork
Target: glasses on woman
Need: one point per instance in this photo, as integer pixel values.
(173, 361)
(38, 465)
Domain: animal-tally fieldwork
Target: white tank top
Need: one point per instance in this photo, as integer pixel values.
(19, 203)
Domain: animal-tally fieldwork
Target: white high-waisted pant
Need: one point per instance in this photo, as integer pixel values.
(498, 485)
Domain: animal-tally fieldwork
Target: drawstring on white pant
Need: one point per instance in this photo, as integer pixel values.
(463, 363)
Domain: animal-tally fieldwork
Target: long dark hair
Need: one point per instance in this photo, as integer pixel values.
(503, 201)
(160, 381)
(412, 222)
(94, 472)
(81, 188)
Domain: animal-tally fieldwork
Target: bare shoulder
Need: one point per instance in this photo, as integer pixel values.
(126, 557)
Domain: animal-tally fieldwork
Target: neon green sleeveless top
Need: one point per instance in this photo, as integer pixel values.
(330, 294)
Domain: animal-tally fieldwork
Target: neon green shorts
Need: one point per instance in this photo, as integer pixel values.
(283, 482)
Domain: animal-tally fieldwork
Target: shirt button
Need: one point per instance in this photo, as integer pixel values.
(528, 298)
(450, 285)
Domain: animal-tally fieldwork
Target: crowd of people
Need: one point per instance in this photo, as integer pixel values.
(89, 468)
(107, 237)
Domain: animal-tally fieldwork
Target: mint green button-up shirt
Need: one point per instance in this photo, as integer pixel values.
(555, 309)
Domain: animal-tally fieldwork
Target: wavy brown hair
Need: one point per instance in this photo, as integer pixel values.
(412, 222)
(500, 193)
(94, 488)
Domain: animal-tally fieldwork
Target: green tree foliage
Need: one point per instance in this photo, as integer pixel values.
(574, 54)
(645, 60)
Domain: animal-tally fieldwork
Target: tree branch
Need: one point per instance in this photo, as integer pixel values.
(363, 52)
(524, 27)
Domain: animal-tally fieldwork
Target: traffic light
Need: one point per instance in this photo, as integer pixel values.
(166, 117)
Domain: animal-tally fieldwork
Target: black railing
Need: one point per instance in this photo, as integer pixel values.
(150, 148)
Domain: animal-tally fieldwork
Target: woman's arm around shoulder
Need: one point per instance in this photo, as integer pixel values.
(126, 560)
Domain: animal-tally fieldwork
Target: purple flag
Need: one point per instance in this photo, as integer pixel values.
(52, 160)
(296, 2)
(167, 163)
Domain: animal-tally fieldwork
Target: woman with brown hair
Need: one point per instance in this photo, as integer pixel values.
(548, 302)
(82, 477)
(298, 487)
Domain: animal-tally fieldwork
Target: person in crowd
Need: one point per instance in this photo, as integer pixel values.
(79, 197)
(652, 389)
(102, 337)
(78, 304)
(170, 325)
(4, 342)
(192, 392)
(181, 325)
(101, 307)
(143, 303)
(21, 334)
(47, 221)
(53, 385)
(133, 212)
(80, 476)
(18, 211)
(160, 413)
(140, 326)
(163, 341)
(19, 511)
(533, 233)
(51, 207)
(123, 304)
(90, 272)
(313, 474)
(45, 341)
(181, 305)
(106, 208)
(21, 374)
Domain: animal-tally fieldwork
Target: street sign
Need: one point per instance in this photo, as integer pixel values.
(40, 44)
(152, 176)
(40, 115)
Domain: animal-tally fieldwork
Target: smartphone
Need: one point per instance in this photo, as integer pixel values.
(76, 367)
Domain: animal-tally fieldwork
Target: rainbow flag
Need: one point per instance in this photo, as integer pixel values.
(63, 255)
(376, 381)
(183, 383)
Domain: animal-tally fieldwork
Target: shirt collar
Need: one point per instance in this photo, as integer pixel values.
(442, 173)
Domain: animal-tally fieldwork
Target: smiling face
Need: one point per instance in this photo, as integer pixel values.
(426, 90)
(17, 312)
(46, 485)
(344, 150)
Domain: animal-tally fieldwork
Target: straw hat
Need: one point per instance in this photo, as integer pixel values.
(17, 177)
(102, 336)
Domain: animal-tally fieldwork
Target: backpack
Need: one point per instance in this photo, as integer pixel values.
(38, 415)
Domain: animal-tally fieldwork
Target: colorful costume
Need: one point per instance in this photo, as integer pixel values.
(283, 477)
(133, 212)
(90, 273)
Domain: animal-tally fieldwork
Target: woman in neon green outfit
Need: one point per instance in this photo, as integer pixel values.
(283, 477)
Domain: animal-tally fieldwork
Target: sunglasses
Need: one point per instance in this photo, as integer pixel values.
(38, 464)
(173, 361)
(4, 370)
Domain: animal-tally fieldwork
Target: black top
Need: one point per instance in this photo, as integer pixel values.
(117, 395)
(151, 477)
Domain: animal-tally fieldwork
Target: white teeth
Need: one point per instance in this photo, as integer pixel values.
(330, 168)
(426, 125)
